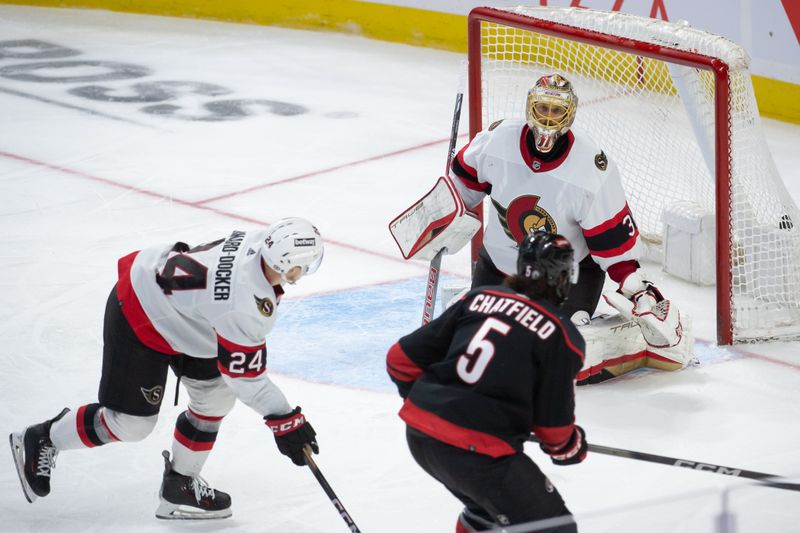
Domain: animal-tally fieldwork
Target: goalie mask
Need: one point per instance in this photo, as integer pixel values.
(292, 242)
(550, 110)
(548, 257)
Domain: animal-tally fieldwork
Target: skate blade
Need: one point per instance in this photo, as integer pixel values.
(171, 511)
(17, 447)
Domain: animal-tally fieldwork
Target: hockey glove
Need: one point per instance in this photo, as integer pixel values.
(571, 453)
(658, 318)
(292, 433)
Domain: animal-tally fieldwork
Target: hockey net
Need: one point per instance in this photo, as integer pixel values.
(674, 107)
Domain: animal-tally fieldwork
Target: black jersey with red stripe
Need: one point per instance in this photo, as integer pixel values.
(491, 369)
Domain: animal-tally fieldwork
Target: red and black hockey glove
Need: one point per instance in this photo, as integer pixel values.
(292, 433)
(571, 453)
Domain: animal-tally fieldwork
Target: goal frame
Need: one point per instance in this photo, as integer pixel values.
(722, 142)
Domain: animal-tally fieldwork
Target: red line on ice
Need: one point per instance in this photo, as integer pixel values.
(323, 171)
(196, 205)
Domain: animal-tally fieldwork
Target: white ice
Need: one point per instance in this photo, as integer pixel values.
(83, 182)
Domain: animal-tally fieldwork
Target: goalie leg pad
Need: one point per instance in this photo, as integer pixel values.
(614, 346)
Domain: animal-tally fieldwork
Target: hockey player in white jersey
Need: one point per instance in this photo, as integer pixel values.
(205, 312)
(541, 176)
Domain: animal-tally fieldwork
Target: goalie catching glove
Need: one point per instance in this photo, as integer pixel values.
(666, 333)
(639, 300)
(292, 433)
(438, 220)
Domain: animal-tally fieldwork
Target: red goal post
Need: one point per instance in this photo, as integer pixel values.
(631, 64)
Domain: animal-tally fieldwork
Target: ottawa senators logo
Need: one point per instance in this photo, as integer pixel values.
(265, 306)
(153, 395)
(523, 216)
(601, 161)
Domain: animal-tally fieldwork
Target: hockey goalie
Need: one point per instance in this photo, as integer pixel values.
(540, 174)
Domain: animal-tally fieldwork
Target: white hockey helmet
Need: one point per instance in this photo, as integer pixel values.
(292, 242)
(550, 110)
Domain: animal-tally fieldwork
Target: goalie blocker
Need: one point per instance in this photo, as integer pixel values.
(439, 220)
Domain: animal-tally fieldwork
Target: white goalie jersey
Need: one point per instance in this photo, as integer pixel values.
(209, 301)
(579, 195)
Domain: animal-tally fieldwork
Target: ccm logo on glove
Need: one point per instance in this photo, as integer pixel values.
(282, 427)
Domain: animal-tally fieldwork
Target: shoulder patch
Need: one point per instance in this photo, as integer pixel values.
(493, 125)
(265, 306)
(601, 161)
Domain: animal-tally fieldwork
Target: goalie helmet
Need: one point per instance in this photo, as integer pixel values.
(292, 242)
(550, 110)
(548, 257)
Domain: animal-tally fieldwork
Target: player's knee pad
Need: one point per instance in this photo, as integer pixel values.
(128, 428)
(209, 397)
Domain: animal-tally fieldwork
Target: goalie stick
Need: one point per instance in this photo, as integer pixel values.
(329, 491)
(436, 262)
(769, 480)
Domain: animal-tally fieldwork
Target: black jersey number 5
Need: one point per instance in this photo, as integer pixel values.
(472, 364)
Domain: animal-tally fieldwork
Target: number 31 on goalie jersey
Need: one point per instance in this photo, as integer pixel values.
(480, 351)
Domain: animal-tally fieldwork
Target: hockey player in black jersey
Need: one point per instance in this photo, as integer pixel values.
(494, 367)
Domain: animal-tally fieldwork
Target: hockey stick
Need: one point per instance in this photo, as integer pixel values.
(329, 491)
(436, 262)
(767, 479)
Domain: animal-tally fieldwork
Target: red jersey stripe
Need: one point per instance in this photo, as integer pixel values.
(612, 222)
(473, 172)
(233, 347)
(134, 313)
(453, 434)
(400, 366)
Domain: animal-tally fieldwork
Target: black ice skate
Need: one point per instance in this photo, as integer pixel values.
(189, 498)
(35, 457)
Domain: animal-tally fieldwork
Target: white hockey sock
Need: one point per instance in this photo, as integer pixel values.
(84, 427)
(195, 435)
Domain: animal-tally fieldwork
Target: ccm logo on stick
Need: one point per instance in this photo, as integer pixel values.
(711, 468)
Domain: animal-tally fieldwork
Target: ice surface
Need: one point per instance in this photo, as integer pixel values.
(347, 132)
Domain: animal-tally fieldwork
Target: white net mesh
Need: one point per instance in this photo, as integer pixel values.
(656, 121)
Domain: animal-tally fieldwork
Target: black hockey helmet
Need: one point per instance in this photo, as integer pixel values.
(548, 257)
